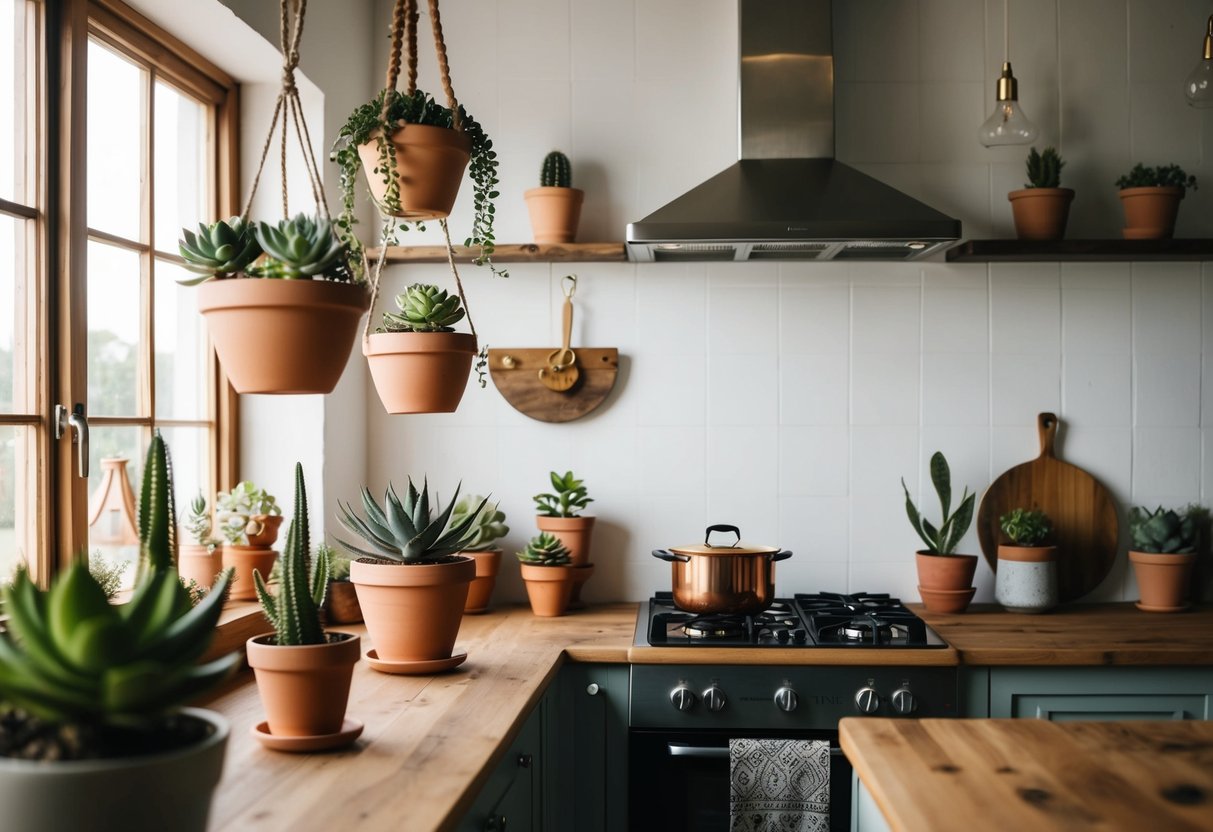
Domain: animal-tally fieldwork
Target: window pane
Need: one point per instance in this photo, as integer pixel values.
(114, 331)
(112, 530)
(13, 86)
(16, 335)
(182, 354)
(116, 119)
(190, 449)
(17, 490)
(180, 171)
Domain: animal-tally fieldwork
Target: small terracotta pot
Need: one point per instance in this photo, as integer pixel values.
(244, 559)
(947, 601)
(555, 213)
(341, 605)
(945, 574)
(413, 611)
(429, 166)
(1041, 213)
(581, 574)
(549, 588)
(304, 689)
(199, 563)
(574, 532)
(282, 336)
(481, 591)
(270, 523)
(1150, 212)
(1026, 578)
(1162, 580)
(420, 372)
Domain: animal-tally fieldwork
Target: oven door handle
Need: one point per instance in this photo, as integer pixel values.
(682, 749)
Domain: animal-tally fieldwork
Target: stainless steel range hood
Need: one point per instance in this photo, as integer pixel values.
(787, 198)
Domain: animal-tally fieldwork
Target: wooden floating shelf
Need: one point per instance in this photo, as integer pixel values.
(1027, 251)
(515, 253)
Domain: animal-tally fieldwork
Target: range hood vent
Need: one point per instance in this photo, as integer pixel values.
(787, 198)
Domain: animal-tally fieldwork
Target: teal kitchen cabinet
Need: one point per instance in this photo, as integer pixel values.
(513, 796)
(1096, 693)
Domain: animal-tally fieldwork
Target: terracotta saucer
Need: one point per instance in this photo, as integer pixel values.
(423, 668)
(351, 729)
(1151, 608)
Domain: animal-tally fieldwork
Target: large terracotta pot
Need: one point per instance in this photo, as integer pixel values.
(429, 166)
(1162, 580)
(282, 336)
(413, 611)
(420, 372)
(304, 688)
(943, 579)
(1026, 580)
(549, 588)
(481, 591)
(1041, 213)
(574, 532)
(1150, 212)
(244, 559)
(555, 213)
(198, 563)
(341, 606)
(270, 524)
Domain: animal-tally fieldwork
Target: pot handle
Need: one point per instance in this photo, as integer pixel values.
(721, 527)
(666, 554)
(782, 554)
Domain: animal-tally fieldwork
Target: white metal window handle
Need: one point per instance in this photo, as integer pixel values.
(78, 422)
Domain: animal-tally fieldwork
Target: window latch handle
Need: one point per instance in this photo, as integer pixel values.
(78, 422)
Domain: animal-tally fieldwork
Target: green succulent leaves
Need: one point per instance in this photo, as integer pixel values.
(294, 612)
(568, 501)
(1143, 176)
(424, 308)
(1026, 528)
(1044, 169)
(218, 250)
(488, 526)
(945, 539)
(299, 248)
(545, 549)
(556, 171)
(302, 247)
(157, 512)
(403, 530)
(1166, 531)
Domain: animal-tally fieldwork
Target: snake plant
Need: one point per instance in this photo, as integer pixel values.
(945, 539)
(404, 530)
(294, 612)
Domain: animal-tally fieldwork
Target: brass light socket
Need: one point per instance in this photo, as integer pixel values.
(1208, 53)
(1008, 85)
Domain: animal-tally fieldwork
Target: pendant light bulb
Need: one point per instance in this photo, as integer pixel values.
(1198, 86)
(1007, 124)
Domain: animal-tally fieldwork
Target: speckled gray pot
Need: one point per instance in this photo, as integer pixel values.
(1027, 578)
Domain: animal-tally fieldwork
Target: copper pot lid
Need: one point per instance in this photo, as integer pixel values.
(722, 547)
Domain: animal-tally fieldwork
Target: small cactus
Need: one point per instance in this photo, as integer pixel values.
(545, 549)
(556, 172)
(157, 512)
(1044, 169)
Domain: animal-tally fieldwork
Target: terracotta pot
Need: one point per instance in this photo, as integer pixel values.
(413, 611)
(1041, 213)
(481, 591)
(304, 689)
(1026, 579)
(282, 336)
(1150, 212)
(549, 588)
(198, 563)
(430, 162)
(244, 559)
(946, 581)
(947, 601)
(1162, 580)
(573, 532)
(420, 372)
(555, 213)
(341, 605)
(581, 574)
(270, 524)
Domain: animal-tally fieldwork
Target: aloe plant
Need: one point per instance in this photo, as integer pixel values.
(218, 250)
(1166, 531)
(1026, 528)
(545, 549)
(556, 171)
(404, 530)
(424, 308)
(944, 539)
(568, 501)
(488, 526)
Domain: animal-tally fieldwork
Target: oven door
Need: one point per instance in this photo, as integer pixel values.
(680, 780)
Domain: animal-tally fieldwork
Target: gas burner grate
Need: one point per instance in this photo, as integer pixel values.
(779, 625)
(864, 619)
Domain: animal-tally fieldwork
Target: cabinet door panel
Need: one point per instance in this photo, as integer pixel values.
(1101, 693)
(508, 800)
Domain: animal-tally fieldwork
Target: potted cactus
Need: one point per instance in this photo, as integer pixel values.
(488, 526)
(1150, 197)
(291, 329)
(341, 603)
(411, 581)
(945, 579)
(91, 721)
(1164, 544)
(545, 565)
(1042, 207)
(303, 671)
(554, 206)
(201, 560)
(1027, 564)
(249, 518)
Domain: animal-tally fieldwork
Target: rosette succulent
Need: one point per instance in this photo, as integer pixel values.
(300, 248)
(404, 530)
(424, 308)
(1165, 531)
(545, 549)
(219, 250)
(488, 526)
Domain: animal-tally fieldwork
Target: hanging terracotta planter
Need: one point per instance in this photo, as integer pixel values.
(430, 162)
(304, 688)
(420, 372)
(245, 559)
(413, 611)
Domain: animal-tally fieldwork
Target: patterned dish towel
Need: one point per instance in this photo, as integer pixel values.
(779, 785)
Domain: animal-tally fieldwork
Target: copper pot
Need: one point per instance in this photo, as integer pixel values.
(731, 580)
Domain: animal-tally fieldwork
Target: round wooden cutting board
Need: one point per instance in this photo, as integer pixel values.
(1085, 525)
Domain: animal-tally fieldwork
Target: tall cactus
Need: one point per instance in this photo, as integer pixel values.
(295, 612)
(1044, 169)
(556, 172)
(157, 511)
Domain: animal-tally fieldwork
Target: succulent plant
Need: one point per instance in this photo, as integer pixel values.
(220, 249)
(1142, 176)
(568, 501)
(487, 528)
(107, 573)
(198, 523)
(157, 512)
(1026, 528)
(339, 564)
(294, 612)
(556, 172)
(300, 248)
(945, 539)
(1166, 531)
(240, 508)
(545, 549)
(424, 308)
(404, 531)
(1044, 169)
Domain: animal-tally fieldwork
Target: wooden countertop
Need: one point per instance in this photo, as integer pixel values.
(1016, 774)
(1077, 634)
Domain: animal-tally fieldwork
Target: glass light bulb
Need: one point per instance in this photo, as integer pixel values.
(1007, 125)
(1198, 86)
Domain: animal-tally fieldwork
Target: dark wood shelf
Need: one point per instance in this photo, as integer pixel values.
(1027, 251)
(513, 253)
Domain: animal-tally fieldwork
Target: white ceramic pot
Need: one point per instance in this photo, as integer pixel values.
(1027, 578)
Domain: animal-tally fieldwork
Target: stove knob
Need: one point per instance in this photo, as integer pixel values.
(904, 702)
(682, 698)
(786, 699)
(867, 700)
(714, 698)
